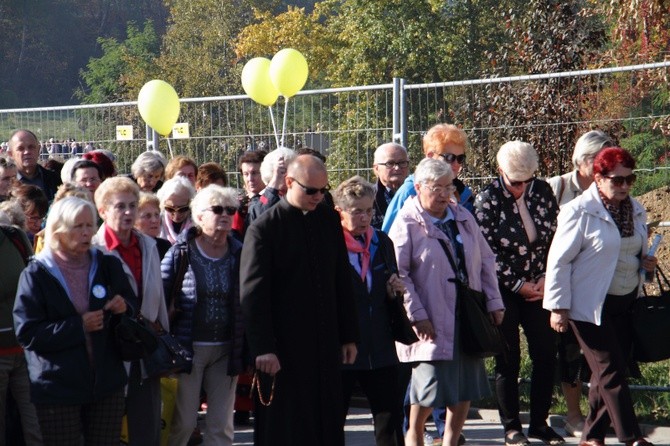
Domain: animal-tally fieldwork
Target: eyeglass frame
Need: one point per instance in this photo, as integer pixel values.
(618, 180)
(312, 190)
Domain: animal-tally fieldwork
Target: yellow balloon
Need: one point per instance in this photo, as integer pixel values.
(256, 81)
(159, 105)
(288, 71)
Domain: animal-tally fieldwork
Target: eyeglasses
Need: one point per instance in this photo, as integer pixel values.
(312, 190)
(440, 189)
(360, 212)
(218, 210)
(618, 180)
(392, 164)
(177, 210)
(450, 158)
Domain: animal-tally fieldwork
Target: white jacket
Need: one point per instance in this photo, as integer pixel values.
(583, 256)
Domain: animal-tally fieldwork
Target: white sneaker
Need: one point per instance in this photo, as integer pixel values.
(427, 439)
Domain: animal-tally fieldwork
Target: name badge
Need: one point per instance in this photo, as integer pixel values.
(99, 291)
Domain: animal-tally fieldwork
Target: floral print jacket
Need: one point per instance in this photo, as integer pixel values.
(496, 211)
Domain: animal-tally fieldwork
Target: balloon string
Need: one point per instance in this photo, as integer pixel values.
(283, 130)
(274, 126)
(170, 147)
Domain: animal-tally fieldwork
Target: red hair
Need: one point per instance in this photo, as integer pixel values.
(607, 160)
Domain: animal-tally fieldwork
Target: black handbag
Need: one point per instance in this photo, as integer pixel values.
(651, 323)
(134, 340)
(169, 358)
(478, 335)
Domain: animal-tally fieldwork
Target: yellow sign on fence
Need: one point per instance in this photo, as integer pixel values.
(180, 130)
(124, 132)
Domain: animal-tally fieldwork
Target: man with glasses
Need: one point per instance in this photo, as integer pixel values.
(447, 142)
(24, 149)
(300, 313)
(391, 167)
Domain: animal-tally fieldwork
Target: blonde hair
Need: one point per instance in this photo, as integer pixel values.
(62, 218)
(115, 185)
(518, 160)
(147, 199)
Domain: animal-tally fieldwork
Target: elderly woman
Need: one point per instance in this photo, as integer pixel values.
(182, 166)
(449, 143)
(208, 317)
(116, 199)
(175, 197)
(149, 221)
(517, 215)
(65, 299)
(147, 170)
(273, 174)
(429, 223)
(210, 173)
(567, 187)
(372, 260)
(592, 281)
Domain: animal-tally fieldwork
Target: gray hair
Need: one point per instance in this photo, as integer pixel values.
(13, 210)
(381, 150)
(431, 169)
(588, 145)
(518, 160)
(62, 218)
(352, 189)
(176, 185)
(213, 195)
(270, 161)
(149, 161)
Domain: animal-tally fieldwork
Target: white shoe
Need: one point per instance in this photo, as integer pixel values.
(574, 429)
(427, 439)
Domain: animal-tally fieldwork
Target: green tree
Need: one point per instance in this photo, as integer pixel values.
(112, 76)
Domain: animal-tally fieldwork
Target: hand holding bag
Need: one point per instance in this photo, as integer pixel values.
(651, 323)
(134, 339)
(479, 336)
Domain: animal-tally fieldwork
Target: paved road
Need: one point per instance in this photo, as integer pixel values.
(481, 429)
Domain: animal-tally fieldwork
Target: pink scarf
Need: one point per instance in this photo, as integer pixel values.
(355, 246)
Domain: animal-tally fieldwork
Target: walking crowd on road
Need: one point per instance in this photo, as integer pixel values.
(281, 300)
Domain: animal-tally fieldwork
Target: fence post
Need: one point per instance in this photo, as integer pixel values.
(152, 138)
(399, 112)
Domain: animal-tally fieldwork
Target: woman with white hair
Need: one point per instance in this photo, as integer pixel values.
(67, 299)
(568, 186)
(273, 174)
(175, 197)
(517, 214)
(208, 318)
(571, 363)
(429, 226)
(148, 169)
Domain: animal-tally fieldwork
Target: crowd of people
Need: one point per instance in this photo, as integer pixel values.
(301, 294)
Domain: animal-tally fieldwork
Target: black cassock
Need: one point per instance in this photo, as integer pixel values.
(298, 303)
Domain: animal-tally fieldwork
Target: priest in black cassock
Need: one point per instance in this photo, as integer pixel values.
(299, 311)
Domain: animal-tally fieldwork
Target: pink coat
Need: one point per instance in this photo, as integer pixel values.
(426, 272)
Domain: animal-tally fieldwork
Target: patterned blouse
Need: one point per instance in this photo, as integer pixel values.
(496, 210)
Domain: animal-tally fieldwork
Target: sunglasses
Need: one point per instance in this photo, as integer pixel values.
(312, 190)
(218, 210)
(618, 180)
(450, 158)
(515, 183)
(179, 210)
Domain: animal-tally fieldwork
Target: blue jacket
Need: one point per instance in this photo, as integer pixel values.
(186, 298)
(51, 331)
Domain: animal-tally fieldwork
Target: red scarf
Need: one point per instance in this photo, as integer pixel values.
(355, 246)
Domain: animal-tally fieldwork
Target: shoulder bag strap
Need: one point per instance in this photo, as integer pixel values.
(560, 196)
(182, 264)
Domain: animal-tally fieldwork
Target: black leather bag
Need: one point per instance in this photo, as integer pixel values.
(401, 328)
(651, 323)
(479, 336)
(169, 358)
(134, 340)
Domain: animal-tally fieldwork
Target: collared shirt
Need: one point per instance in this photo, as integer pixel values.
(131, 255)
(37, 180)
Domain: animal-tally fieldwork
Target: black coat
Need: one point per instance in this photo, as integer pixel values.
(298, 303)
(376, 348)
(51, 331)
